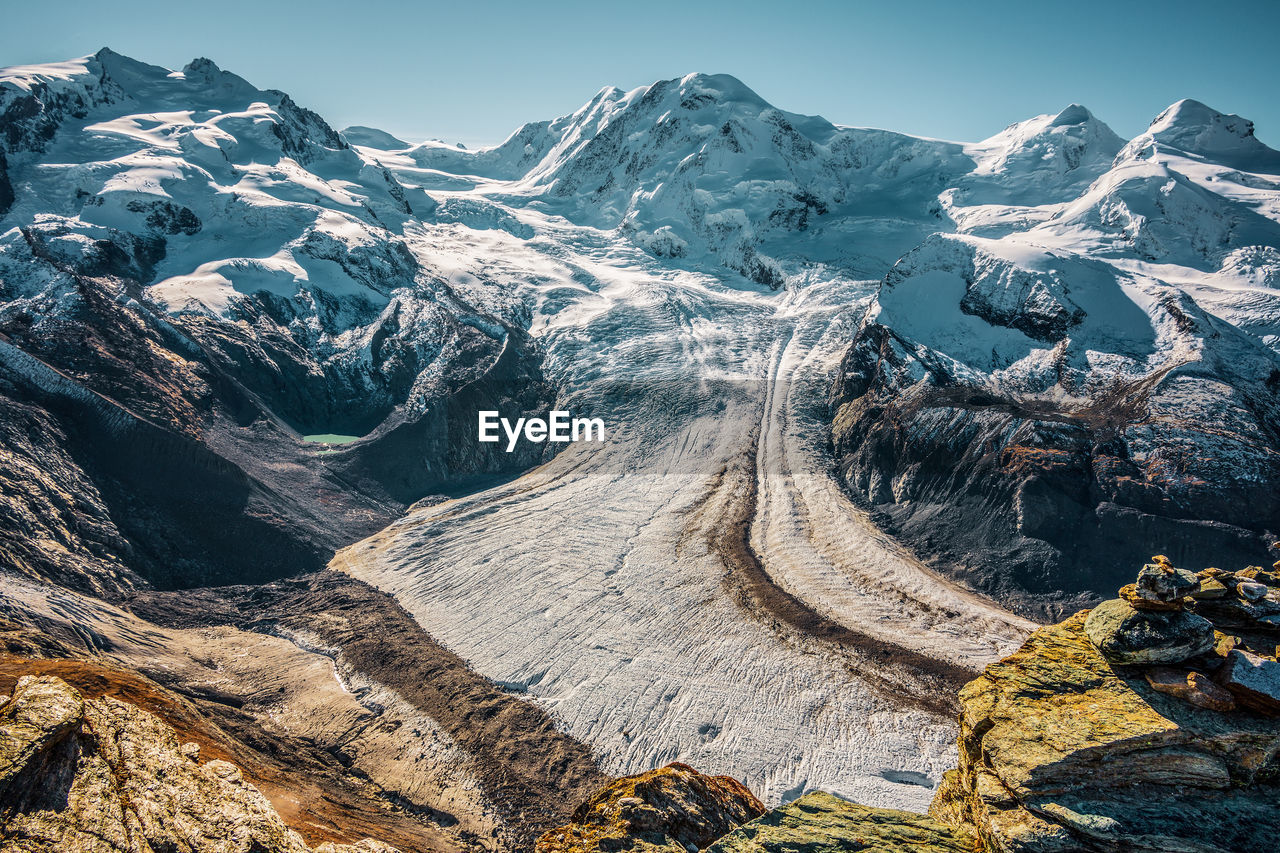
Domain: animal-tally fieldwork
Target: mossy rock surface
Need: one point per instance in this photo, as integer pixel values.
(667, 810)
(1062, 751)
(821, 823)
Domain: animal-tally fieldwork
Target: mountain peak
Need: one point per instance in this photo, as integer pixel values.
(206, 73)
(1072, 114)
(126, 68)
(699, 88)
(201, 66)
(1192, 115)
(372, 137)
(1197, 128)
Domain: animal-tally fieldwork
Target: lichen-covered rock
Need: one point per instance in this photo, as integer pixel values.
(1210, 590)
(1060, 750)
(38, 716)
(821, 823)
(103, 776)
(1129, 636)
(672, 809)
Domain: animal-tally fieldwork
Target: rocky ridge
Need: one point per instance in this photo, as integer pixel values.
(101, 775)
(821, 823)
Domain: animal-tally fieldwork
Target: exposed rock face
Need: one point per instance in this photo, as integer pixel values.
(102, 775)
(1037, 400)
(1064, 747)
(674, 808)
(821, 823)
(983, 432)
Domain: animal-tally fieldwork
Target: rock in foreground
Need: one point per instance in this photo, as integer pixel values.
(821, 823)
(102, 776)
(674, 808)
(1127, 635)
(1074, 744)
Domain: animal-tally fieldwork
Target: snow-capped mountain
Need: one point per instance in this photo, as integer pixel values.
(217, 261)
(236, 206)
(1041, 347)
(1022, 175)
(1025, 403)
(703, 167)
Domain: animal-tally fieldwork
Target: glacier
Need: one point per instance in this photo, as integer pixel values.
(714, 584)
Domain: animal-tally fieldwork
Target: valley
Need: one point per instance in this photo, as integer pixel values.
(873, 407)
(593, 586)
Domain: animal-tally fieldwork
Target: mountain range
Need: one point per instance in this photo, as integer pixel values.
(877, 404)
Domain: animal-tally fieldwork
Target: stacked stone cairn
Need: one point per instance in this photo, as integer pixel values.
(1208, 638)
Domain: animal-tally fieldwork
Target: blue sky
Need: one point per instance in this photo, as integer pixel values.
(473, 71)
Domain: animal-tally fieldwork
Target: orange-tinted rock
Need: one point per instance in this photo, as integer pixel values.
(1191, 687)
(1130, 594)
(670, 808)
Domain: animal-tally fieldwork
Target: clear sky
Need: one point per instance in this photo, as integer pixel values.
(473, 71)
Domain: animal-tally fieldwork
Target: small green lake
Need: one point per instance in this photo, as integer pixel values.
(331, 438)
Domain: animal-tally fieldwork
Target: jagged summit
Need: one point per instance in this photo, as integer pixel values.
(205, 73)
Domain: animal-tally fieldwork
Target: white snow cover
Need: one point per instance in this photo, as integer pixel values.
(693, 262)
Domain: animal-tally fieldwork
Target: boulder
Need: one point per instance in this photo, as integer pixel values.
(1253, 680)
(1162, 582)
(1126, 635)
(37, 717)
(1251, 591)
(672, 808)
(821, 823)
